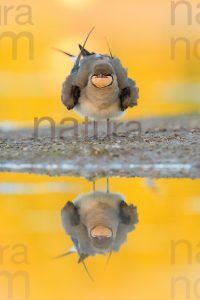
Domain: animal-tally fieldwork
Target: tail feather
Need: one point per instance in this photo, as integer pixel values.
(76, 65)
(109, 48)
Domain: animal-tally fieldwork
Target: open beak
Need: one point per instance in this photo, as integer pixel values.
(101, 232)
(102, 80)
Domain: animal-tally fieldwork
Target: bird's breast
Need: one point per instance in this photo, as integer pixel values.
(98, 111)
(99, 104)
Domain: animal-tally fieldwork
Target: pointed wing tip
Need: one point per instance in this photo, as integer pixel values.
(71, 251)
(63, 52)
(61, 255)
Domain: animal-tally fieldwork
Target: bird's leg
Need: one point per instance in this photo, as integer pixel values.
(108, 259)
(94, 186)
(107, 185)
(108, 128)
(86, 123)
(95, 129)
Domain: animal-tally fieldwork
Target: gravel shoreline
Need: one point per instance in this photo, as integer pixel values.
(167, 148)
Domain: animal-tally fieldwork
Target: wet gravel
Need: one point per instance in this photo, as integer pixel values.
(166, 148)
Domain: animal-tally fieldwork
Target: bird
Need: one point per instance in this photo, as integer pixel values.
(98, 86)
(99, 222)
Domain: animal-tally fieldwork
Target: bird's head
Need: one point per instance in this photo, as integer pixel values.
(97, 70)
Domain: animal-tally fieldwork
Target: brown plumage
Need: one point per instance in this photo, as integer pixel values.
(98, 86)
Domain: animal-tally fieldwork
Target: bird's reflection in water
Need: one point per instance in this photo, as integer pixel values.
(98, 223)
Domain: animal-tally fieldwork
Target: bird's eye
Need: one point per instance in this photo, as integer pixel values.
(123, 203)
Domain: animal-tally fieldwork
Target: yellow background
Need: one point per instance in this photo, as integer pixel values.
(139, 33)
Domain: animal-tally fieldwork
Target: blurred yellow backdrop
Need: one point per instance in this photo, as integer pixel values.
(140, 33)
(143, 269)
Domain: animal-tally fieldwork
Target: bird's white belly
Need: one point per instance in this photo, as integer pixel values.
(98, 112)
